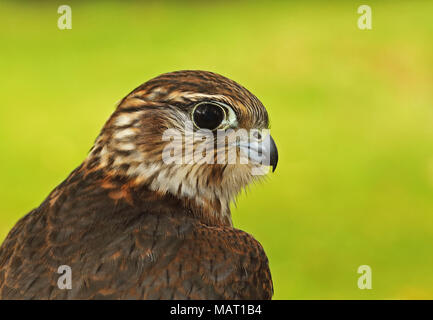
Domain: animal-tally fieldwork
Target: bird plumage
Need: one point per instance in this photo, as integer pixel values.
(131, 226)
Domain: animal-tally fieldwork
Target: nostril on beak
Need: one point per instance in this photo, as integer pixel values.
(257, 135)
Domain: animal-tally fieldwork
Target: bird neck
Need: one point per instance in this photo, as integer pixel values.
(142, 197)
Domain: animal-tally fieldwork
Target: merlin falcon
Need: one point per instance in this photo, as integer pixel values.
(131, 225)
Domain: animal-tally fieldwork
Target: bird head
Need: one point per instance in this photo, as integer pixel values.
(193, 135)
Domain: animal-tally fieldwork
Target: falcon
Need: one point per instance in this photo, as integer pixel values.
(130, 224)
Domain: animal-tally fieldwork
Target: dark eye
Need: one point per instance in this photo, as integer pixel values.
(208, 115)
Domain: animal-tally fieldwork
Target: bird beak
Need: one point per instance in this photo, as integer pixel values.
(263, 151)
(273, 154)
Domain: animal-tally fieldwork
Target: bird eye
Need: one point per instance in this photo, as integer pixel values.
(208, 115)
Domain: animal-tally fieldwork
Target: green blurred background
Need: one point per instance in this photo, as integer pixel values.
(351, 112)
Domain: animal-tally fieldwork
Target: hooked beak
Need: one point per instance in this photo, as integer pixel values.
(273, 154)
(264, 152)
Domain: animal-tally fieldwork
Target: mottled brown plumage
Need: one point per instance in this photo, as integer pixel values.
(133, 227)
